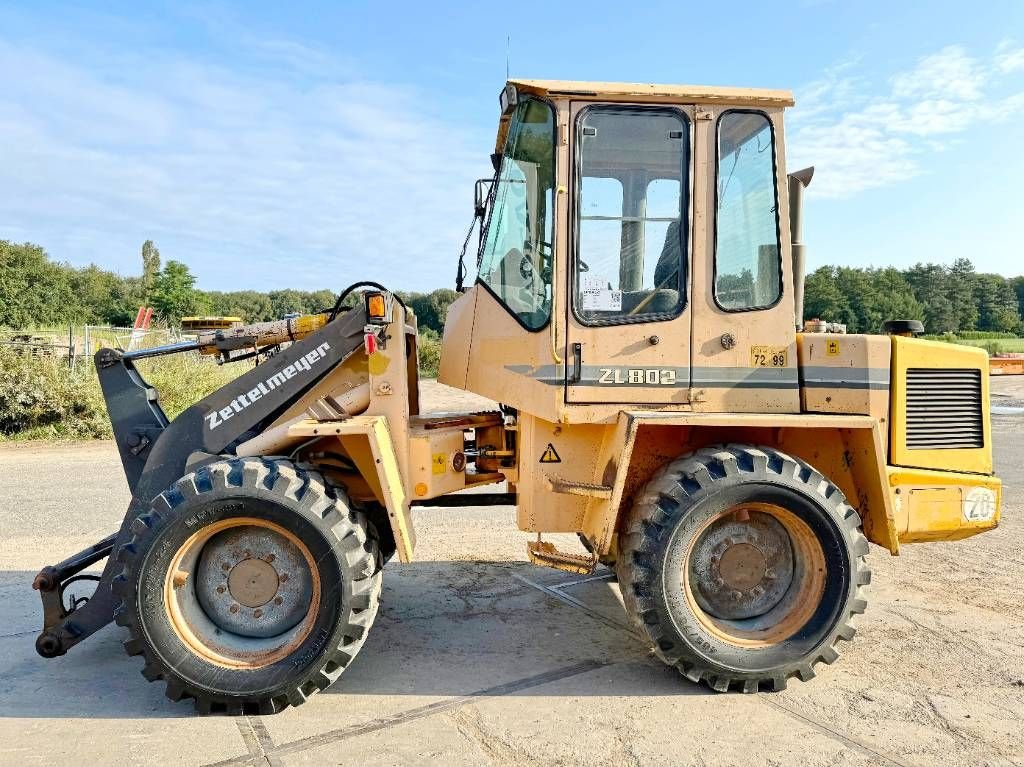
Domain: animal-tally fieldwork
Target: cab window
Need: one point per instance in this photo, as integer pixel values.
(631, 167)
(747, 260)
(516, 259)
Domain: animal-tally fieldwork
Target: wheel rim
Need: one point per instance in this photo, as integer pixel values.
(242, 592)
(754, 574)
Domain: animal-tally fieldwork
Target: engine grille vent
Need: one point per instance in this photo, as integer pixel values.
(944, 409)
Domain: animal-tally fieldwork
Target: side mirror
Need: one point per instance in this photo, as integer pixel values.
(481, 195)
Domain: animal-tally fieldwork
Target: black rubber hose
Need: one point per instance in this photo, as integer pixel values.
(363, 284)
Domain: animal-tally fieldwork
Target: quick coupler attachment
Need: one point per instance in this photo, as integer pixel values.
(52, 583)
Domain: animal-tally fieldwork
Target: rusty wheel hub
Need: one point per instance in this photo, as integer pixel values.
(253, 582)
(242, 592)
(754, 574)
(742, 565)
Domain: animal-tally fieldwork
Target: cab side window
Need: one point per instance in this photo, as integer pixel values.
(748, 271)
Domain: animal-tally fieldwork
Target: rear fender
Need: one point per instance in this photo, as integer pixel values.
(847, 450)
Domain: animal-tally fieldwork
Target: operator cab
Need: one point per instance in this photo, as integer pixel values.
(634, 249)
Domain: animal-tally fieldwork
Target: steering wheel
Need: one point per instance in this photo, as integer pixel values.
(534, 281)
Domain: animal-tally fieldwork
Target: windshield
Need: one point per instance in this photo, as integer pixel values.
(516, 259)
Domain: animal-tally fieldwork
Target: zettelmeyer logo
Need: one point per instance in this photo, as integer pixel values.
(242, 401)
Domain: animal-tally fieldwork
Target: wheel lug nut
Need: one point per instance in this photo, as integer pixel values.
(736, 595)
(278, 600)
(769, 574)
(258, 614)
(225, 566)
(221, 589)
(233, 609)
(283, 577)
(269, 558)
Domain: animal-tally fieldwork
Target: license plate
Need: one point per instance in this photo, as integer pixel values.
(768, 356)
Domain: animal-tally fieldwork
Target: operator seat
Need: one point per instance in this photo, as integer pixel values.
(666, 273)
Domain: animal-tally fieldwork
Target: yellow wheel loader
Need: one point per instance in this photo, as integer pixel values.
(637, 313)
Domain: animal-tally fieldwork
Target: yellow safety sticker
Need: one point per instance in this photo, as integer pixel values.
(832, 348)
(378, 363)
(768, 356)
(439, 463)
(550, 455)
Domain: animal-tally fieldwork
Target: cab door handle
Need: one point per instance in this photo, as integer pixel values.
(577, 363)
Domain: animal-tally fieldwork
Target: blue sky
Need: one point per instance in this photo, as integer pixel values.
(311, 144)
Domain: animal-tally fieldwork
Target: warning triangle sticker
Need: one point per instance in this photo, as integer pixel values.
(550, 455)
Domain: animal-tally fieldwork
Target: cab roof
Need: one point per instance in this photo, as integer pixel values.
(645, 93)
(689, 94)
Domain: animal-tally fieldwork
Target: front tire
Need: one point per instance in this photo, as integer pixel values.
(743, 566)
(248, 586)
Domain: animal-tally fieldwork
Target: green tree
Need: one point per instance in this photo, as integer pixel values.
(822, 298)
(431, 308)
(150, 266)
(174, 294)
(1018, 288)
(930, 283)
(962, 289)
(286, 301)
(894, 299)
(862, 315)
(998, 309)
(34, 290)
(250, 305)
(319, 300)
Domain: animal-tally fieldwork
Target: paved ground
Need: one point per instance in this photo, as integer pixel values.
(479, 658)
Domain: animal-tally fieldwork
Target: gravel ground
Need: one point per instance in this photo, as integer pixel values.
(479, 658)
(1007, 391)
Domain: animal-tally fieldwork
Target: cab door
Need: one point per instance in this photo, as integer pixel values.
(630, 214)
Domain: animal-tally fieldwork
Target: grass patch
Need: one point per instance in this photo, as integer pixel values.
(42, 398)
(991, 345)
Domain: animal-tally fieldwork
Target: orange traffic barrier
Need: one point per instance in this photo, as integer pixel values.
(1006, 366)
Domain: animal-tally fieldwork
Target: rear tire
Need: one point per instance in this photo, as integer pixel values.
(743, 566)
(248, 586)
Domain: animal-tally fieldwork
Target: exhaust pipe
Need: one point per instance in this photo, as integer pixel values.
(797, 183)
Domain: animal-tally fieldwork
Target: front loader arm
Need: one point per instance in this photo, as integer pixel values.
(156, 453)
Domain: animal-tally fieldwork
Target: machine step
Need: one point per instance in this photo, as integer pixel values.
(544, 553)
(571, 487)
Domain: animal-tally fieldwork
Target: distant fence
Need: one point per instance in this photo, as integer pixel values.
(78, 343)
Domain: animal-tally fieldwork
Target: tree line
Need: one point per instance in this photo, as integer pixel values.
(947, 299)
(37, 291)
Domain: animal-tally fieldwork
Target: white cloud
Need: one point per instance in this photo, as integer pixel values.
(1009, 57)
(296, 174)
(860, 140)
(950, 73)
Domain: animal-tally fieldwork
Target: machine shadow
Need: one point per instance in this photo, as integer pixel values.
(444, 629)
